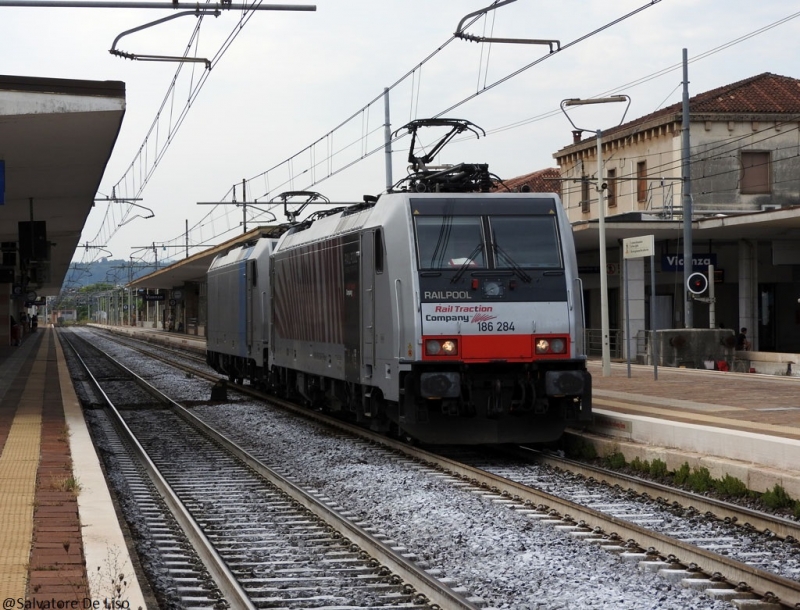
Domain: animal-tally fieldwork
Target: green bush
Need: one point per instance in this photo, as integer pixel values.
(682, 474)
(658, 469)
(777, 498)
(731, 487)
(615, 460)
(640, 465)
(700, 480)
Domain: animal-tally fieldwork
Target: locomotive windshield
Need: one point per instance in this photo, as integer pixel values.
(450, 241)
(491, 241)
(525, 241)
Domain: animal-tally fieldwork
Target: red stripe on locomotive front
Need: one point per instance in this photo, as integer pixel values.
(487, 348)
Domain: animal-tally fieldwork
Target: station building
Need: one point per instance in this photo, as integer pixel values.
(745, 193)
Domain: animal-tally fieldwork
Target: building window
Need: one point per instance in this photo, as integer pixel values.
(611, 192)
(585, 194)
(641, 181)
(755, 172)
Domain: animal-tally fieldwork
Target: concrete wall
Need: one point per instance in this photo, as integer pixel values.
(715, 180)
(716, 169)
(692, 347)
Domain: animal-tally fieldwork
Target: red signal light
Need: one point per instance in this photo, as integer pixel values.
(697, 283)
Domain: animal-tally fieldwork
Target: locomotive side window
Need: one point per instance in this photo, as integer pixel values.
(446, 242)
(525, 241)
(378, 251)
(253, 272)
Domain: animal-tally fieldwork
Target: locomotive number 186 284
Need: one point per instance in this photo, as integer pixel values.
(502, 327)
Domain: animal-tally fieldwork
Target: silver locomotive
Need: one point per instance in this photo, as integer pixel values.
(443, 317)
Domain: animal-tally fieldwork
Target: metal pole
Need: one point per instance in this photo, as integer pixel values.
(627, 321)
(712, 302)
(606, 347)
(187, 238)
(387, 138)
(686, 196)
(654, 340)
(244, 206)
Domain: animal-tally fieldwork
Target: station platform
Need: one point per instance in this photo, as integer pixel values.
(61, 544)
(746, 425)
(157, 336)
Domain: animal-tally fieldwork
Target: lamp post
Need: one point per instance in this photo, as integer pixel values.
(601, 212)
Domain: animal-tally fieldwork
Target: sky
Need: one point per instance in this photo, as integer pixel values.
(287, 80)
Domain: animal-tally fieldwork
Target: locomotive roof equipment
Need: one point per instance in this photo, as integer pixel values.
(460, 178)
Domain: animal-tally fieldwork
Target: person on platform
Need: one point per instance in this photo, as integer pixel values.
(16, 330)
(742, 342)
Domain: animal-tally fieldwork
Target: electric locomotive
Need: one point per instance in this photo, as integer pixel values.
(440, 312)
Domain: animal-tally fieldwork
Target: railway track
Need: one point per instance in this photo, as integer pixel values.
(702, 562)
(263, 541)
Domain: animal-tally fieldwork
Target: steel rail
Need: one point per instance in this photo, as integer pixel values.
(760, 581)
(424, 583)
(781, 527)
(216, 566)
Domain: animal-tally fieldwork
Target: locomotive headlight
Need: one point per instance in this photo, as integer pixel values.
(555, 345)
(449, 348)
(441, 347)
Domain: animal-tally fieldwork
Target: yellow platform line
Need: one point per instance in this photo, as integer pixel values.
(18, 467)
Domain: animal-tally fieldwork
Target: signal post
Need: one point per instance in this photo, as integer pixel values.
(697, 284)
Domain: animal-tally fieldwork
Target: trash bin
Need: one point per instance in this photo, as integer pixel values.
(16, 334)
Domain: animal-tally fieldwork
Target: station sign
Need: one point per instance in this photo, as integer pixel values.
(700, 262)
(155, 297)
(638, 247)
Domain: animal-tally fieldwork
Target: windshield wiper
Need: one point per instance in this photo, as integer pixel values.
(511, 263)
(466, 263)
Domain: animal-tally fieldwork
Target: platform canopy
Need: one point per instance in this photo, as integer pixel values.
(782, 224)
(194, 268)
(56, 137)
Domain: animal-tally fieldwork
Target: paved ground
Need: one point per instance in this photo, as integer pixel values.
(58, 517)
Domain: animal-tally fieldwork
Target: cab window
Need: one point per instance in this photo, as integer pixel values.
(525, 241)
(447, 242)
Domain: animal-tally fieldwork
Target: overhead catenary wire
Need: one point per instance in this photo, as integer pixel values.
(141, 160)
(365, 151)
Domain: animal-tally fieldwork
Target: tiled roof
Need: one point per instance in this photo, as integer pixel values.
(541, 181)
(765, 93)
